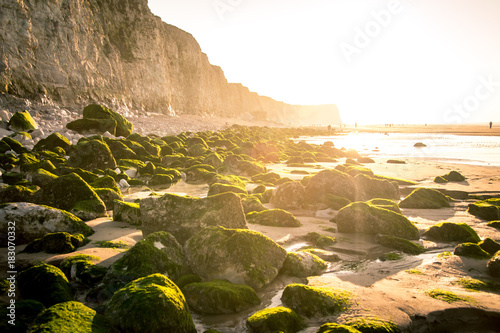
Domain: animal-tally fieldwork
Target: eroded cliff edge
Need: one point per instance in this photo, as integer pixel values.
(73, 52)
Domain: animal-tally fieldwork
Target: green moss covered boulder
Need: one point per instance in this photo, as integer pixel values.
(452, 176)
(252, 203)
(278, 319)
(425, 198)
(375, 325)
(35, 221)
(471, 250)
(15, 193)
(274, 218)
(123, 126)
(157, 253)
(288, 196)
(361, 217)
(238, 166)
(303, 264)
(315, 301)
(336, 328)
(91, 155)
(22, 121)
(336, 203)
(21, 315)
(42, 177)
(52, 141)
(400, 244)
(494, 265)
(71, 317)
(240, 256)
(92, 126)
(488, 209)
(329, 182)
(490, 246)
(150, 304)
(219, 297)
(217, 188)
(46, 284)
(58, 242)
(386, 204)
(81, 268)
(451, 232)
(73, 194)
(128, 212)
(184, 216)
(369, 188)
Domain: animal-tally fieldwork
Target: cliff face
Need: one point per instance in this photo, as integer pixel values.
(73, 52)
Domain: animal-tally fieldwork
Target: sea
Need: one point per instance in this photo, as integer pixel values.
(463, 149)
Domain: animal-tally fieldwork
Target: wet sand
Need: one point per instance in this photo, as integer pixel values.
(468, 129)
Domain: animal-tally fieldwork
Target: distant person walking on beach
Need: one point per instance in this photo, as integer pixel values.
(491, 124)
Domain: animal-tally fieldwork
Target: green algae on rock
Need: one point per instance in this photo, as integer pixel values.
(15, 193)
(184, 216)
(490, 246)
(385, 203)
(278, 319)
(471, 250)
(369, 188)
(58, 242)
(361, 217)
(336, 203)
(488, 209)
(25, 313)
(217, 188)
(90, 155)
(220, 296)
(373, 325)
(22, 121)
(52, 141)
(494, 265)
(150, 304)
(95, 111)
(425, 198)
(128, 212)
(451, 232)
(240, 256)
(336, 328)
(81, 268)
(447, 296)
(400, 244)
(288, 196)
(328, 182)
(274, 218)
(315, 301)
(303, 264)
(71, 317)
(56, 288)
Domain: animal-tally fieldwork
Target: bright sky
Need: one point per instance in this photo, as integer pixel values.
(380, 61)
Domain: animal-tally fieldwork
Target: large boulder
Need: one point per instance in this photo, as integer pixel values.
(150, 304)
(361, 217)
(184, 216)
(217, 188)
(315, 301)
(494, 265)
(471, 250)
(425, 198)
(46, 284)
(238, 255)
(81, 268)
(451, 232)
(274, 218)
(400, 244)
(72, 193)
(278, 319)
(490, 246)
(236, 165)
(288, 196)
(23, 313)
(15, 193)
(219, 296)
(328, 182)
(22, 121)
(92, 126)
(91, 155)
(71, 317)
(157, 253)
(303, 264)
(128, 212)
(34, 221)
(369, 188)
(95, 111)
(488, 209)
(58, 242)
(53, 141)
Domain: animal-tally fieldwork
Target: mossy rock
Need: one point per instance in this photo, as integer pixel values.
(90, 155)
(14, 178)
(150, 304)
(274, 218)
(214, 160)
(336, 203)
(15, 193)
(81, 268)
(217, 188)
(318, 240)
(88, 176)
(270, 177)
(303, 264)
(315, 301)
(108, 196)
(219, 296)
(454, 176)
(230, 180)
(425, 198)
(187, 279)
(58, 242)
(238, 166)
(471, 250)
(92, 126)
(22, 121)
(494, 224)
(23, 312)
(13, 145)
(451, 232)
(373, 325)
(355, 170)
(176, 175)
(361, 217)
(440, 180)
(251, 203)
(336, 328)
(120, 150)
(52, 141)
(56, 288)
(386, 204)
(73, 194)
(123, 126)
(488, 209)
(400, 244)
(71, 317)
(42, 177)
(106, 182)
(184, 216)
(238, 255)
(288, 196)
(157, 253)
(278, 319)
(490, 246)
(35, 221)
(198, 175)
(127, 212)
(330, 182)
(494, 265)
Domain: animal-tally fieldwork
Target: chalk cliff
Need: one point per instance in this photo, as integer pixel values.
(73, 52)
